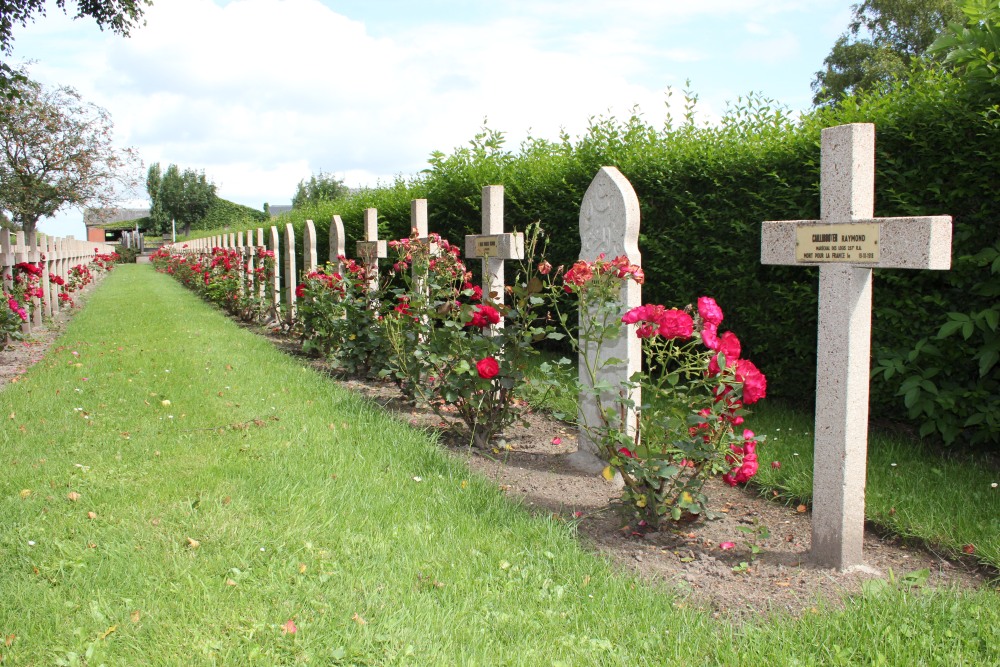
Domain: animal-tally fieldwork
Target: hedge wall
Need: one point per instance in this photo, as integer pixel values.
(704, 192)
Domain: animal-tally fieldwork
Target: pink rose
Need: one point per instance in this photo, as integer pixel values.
(676, 324)
(709, 310)
(729, 345)
(709, 337)
(754, 382)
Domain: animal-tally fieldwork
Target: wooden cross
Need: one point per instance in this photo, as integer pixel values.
(847, 242)
(493, 246)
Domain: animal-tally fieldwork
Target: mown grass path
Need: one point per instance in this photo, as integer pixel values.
(177, 492)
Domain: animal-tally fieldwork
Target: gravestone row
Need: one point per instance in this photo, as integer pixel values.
(846, 243)
(56, 257)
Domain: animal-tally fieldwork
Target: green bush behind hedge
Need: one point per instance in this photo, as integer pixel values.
(704, 192)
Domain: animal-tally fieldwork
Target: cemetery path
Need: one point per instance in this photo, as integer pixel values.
(687, 558)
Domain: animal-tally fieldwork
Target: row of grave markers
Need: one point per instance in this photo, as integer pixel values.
(56, 257)
(846, 243)
(492, 247)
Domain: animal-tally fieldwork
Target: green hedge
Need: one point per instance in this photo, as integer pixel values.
(704, 192)
(224, 213)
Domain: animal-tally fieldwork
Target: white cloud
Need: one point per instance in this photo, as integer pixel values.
(261, 93)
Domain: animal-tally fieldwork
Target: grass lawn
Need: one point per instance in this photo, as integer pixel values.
(177, 492)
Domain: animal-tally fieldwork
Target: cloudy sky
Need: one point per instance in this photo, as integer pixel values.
(262, 93)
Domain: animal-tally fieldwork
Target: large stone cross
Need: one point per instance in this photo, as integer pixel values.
(609, 225)
(847, 242)
(493, 246)
(371, 250)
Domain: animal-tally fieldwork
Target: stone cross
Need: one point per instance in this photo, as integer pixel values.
(260, 245)
(21, 255)
(275, 287)
(290, 273)
(241, 274)
(493, 246)
(847, 242)
(371, 250)
(418, 226)
(337, 244)
(609, 225)
(309, 248)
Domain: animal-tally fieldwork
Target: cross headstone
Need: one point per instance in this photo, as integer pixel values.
(337, 244)
(609, 225)
(290, 274)
(241, 273)
(847, 242)
(21, 255)
(48, 287)
(275, 287)
(371, 250)
(309, 247)
(260, 260)
(493, 246)
(420, 235)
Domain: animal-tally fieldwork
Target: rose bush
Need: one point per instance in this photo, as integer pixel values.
(340, 317)
(695, 389)
(464, 352)
(226, 277)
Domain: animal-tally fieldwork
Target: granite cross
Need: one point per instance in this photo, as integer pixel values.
(847, 242)
(493, 246)
(371, 250)
(337, 244)
(309, 255)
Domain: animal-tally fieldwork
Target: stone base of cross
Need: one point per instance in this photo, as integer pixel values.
(493, 247)
(847, 243)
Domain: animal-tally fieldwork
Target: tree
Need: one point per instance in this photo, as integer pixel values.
(884, 39)
(973, 48)
(321, 187)
(183, 197)
(120, 16)
(56, 150)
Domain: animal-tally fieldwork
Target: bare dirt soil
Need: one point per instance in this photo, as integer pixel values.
(687, 558)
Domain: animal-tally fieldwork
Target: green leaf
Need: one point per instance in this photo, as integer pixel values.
(987, 360)
(874, 587)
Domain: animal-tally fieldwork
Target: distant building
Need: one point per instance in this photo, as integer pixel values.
(107, 224)
(277, 209)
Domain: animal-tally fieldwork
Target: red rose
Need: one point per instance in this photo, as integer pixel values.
(488, 368)
(484, 316)
(300, 290)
